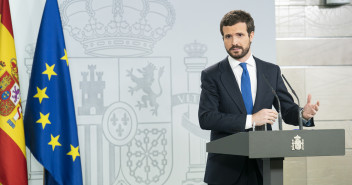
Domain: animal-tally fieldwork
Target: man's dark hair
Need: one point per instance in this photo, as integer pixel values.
(237, 16)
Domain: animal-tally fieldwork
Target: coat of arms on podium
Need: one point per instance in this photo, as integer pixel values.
(297, 143)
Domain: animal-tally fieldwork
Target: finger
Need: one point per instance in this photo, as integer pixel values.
(311, 110)
(314, 112)
(318, 103)
(272, 114)
(272, 122)
(316, 107)
(309, 98)
(272, 119)
(269, 122)
(269, 119)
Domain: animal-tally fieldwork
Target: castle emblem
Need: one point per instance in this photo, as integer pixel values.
(145, 84)
(297, 143)
(92, 93)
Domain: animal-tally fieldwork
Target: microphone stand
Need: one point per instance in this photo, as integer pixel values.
(299, 105)
(278, 101)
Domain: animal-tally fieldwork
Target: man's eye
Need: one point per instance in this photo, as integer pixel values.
(228, 36)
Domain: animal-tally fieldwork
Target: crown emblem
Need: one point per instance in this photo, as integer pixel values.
(195, 49)
(116, 27)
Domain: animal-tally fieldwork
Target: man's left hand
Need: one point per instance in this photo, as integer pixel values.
(309, 110)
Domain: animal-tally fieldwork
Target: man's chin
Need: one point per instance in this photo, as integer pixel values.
(236, 56)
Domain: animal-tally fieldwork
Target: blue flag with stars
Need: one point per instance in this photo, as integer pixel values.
(50, 122)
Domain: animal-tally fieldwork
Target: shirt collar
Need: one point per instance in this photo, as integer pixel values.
(233, 62)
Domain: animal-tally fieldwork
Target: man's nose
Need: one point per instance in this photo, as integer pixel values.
(235, 41)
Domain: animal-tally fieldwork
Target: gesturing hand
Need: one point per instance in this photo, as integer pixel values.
(264, 116)
(309, 110)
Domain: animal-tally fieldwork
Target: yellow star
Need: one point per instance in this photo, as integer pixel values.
(44, 119)
(49, 70)
(54, 141)
(74, 152)
(41, 94)
(65, 57)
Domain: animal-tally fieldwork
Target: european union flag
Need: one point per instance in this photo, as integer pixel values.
(50, 122)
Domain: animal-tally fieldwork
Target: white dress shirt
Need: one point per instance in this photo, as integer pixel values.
(252, 70)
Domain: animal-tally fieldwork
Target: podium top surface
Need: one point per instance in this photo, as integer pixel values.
(286, 143)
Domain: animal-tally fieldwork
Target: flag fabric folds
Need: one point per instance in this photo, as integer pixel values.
(13, 166)
(50, 122)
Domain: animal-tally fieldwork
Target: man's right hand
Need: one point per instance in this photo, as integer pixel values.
(264, 116)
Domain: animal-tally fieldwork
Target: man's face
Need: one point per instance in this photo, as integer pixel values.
(237, 41)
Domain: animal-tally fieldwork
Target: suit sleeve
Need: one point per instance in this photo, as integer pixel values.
(210, 117)
(289, 109)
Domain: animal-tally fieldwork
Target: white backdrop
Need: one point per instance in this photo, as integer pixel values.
(135, 69)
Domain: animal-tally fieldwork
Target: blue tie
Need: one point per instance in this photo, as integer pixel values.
(246, 89)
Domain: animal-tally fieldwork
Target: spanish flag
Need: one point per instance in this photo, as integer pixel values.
(13, 166)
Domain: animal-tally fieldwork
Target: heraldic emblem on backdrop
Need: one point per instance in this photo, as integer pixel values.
(123, 100)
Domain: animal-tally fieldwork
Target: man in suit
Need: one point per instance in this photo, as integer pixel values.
(234, 96)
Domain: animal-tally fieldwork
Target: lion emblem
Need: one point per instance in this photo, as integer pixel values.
(145, 83)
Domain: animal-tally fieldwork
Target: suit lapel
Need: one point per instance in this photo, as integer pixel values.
(260, 86)
(228, 79)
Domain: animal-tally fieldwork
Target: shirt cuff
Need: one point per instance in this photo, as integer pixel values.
(305, 122)
(249, 122)
(303, 119)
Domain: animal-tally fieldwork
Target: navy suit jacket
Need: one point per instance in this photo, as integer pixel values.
(222, 110)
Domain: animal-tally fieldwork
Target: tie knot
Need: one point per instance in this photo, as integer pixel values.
(244, 66)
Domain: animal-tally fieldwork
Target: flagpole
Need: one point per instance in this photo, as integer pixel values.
(43, 176)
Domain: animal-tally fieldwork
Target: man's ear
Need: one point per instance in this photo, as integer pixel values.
(251, 36)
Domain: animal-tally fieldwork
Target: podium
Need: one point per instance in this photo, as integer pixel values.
(274, 146)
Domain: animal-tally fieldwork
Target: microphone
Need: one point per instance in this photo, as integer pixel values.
(299, 105)
(278, 101)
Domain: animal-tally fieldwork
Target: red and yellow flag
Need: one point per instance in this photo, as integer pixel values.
(13, 166)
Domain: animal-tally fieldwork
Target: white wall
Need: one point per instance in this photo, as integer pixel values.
(314, 51)
(121, 143)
